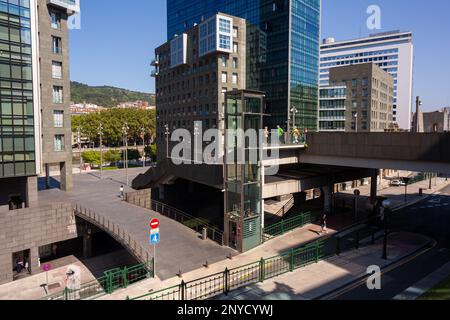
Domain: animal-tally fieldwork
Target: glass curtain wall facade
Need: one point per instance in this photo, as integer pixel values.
(17, 145)
(282, 51)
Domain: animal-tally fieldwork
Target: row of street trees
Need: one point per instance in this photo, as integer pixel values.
(112, 121)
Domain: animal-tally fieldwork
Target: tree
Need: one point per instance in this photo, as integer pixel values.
(91, 157)
(151, 152)
(133, 154)
(112, 156)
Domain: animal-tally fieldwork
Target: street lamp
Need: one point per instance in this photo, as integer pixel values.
(125, 129)
(143, 143)
(100, 133)
(294, 111)
(79, 147)
(356, 122)
(167, 133)
(385, 216)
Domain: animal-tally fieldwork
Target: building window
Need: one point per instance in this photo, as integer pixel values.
(58, 119)
(57, 94)
(224, 77)
(235, 78)
(224, 42)
(224, 61)
(235, 32)
(57, 70)
(56, 20)
(59, 142)
(56, 45)
(235, 63)
(235, 47)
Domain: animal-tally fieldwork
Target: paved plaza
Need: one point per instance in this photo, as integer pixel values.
(180, 247)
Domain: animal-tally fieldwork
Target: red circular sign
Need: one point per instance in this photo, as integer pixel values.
(154, 224)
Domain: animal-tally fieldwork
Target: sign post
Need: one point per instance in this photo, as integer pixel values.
(154, 239)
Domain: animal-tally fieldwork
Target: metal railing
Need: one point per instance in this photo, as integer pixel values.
(114, 230)
(286, 225)
(265, 269)
(108, 283)
(194, 223)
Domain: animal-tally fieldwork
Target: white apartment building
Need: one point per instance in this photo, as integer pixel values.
(391, 51)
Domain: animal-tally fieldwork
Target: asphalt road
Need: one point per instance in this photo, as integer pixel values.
(430, 217)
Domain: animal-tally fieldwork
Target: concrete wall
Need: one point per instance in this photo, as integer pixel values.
(141, 198)
(28, 229)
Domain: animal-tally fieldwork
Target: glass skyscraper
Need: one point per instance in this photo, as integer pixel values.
(283, 39)
(17, 144)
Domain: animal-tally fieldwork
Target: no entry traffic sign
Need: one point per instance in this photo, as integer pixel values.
(154, 224)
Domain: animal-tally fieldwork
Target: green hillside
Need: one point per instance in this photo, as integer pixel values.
(106, 96)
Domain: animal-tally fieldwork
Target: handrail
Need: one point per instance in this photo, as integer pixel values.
(217, 233)
(283, 209)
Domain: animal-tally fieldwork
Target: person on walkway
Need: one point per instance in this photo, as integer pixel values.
(122, 195)
(280, 133)
(323, 224)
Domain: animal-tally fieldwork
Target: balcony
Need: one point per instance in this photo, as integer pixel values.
(154, 63)
(154, 73)
(71, 6)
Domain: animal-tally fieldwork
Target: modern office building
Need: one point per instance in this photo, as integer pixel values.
(35, 127)
(370, 96)
(282, 51)
(392, 51)
(332, 108)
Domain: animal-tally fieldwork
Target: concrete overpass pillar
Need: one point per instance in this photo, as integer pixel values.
(374, 185)
(328, 198)
(161, 192)
(87, 243)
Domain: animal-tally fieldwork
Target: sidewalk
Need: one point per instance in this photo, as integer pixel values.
(271, 248)
(397, 194)
(317, 280)
(427, 283)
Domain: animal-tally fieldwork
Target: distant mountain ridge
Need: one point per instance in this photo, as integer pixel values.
(106, 96)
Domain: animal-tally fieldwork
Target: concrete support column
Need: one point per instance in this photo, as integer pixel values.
(87, 244)
(32, 192)
(66, 176)
(328, 199)
(6, 268)
(47, 176)
(34, 260)
(374, 185)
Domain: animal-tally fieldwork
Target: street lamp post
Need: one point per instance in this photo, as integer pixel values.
(125, 129)
(79, 148)
(167, 133)
(406, 181)
(356, 122)
(386, 216)
(100, 133)
(143, 144)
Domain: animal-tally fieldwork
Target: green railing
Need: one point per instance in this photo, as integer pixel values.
(111, 280)
(285, 226)
(265, 269)
(194, 223)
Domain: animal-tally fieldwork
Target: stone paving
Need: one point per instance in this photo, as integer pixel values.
(318, 280)
(180, 247)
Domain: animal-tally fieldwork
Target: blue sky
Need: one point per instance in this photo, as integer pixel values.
(117, 39)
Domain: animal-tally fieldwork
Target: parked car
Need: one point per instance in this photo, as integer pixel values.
(397, 183)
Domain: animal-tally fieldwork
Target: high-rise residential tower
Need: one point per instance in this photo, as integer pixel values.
(282, 51)
(392, 51)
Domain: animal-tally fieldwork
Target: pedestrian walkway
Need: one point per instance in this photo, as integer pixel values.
(272, 248)
(397, 194)
(180, 248)
(318, 280)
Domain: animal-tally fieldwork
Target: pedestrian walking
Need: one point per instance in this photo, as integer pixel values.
(122, 195)
(323, 224)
